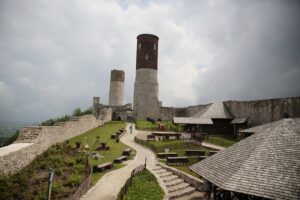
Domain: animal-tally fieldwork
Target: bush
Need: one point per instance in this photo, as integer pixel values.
(58, 188)
(74, 180)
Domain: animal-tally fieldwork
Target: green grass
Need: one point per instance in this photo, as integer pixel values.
(149, 126)
(187, 170)
(177, 146)
(116, 149)
(220, 140)
(144, 187)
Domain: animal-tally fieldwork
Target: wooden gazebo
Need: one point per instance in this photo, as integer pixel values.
(266, 165)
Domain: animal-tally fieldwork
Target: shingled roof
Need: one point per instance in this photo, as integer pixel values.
(191, 120)
(266, 164)
(214, 111)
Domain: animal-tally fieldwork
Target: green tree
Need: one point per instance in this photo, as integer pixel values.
(77, 112)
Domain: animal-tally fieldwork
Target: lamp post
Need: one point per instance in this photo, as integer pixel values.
(50, 179)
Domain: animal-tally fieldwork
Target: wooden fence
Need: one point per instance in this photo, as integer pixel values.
(128, 183)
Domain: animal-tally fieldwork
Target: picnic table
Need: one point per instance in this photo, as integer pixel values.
(167, 135)
(165, 155)
(120, 159)
(113, 136)
(194, 152)
(103, 167)
(127, 152)
(151, 137)
(182, 159)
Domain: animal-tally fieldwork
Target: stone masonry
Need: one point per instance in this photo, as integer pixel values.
(40, 138)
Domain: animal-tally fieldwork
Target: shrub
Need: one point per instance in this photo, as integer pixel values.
(74, 180)
(58, 188)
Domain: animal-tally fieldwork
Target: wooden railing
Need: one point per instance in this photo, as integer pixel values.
(84, 186)
(128, 183)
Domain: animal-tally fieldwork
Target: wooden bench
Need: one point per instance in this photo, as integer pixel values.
(127, 152)
(118, 133)
(113, 136)
(182, 159)
(103, 167)
(195, 153)
(150, 137)
(165, 155)
(212, 152)
(120, 159)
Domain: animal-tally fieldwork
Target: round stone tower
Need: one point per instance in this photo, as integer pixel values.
(145, 101)
(116, 90)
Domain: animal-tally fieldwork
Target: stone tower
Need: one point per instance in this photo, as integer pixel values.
(145, 101)
(116, 91)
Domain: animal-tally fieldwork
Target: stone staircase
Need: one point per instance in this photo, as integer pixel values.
(176, 187)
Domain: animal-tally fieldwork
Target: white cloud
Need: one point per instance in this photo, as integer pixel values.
(55, 56)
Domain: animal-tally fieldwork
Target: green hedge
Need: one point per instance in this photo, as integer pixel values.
(144, 186)
(219, 140)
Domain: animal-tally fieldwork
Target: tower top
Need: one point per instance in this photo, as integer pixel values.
(117, 75)
(146, 51)
(146, 36)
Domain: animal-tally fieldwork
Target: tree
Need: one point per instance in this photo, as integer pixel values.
(77, 112)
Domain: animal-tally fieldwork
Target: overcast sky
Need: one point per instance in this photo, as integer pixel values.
(56, 55)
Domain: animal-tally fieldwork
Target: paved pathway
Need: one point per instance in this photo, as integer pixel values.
(109, 185)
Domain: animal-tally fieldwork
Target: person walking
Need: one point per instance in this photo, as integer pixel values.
(131, 129)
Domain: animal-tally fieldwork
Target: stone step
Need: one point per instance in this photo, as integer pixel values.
(180, 193)
(194, 196)
(165, 174)
(180, 186)
(169, 178)
(157, 168)
(160, 171)
(174, 182)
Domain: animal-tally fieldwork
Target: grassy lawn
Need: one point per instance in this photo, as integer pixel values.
(145, 187)
(104, 132)
(220, 140)
(187, 170)
(177, 146)
(149, 126)
(68, 164)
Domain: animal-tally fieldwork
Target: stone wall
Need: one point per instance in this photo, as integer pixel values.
(265, 111)
(43, 137)
(258, 112)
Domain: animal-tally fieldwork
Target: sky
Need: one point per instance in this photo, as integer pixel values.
(56, 55)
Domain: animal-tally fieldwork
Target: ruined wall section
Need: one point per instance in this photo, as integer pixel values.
(43, 137)
(167, 113)
(265, 111)
(258, 112)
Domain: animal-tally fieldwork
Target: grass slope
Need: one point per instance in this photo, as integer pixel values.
(144, 187)
(116, 149)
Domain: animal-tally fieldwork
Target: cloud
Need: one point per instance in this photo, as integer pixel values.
(55, 56)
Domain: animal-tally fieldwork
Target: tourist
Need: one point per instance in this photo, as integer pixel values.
(207, 187)
(130, 128)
